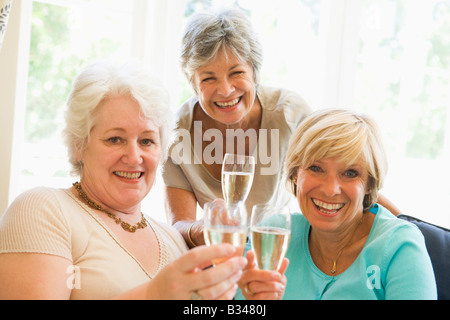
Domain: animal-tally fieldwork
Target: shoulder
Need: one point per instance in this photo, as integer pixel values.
(389, 225)
(272, 98)
(184, 114)
(402, 256)
(37, 221)
(392, 235)
(287, 103)
(299, 227)
(298, 219)
(40, 198)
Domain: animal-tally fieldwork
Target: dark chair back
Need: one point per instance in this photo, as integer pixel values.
(437, 240)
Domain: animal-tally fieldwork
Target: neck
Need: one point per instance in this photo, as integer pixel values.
(119, 212)
(331, 244)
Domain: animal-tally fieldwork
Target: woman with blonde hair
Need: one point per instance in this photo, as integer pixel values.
(344, 245)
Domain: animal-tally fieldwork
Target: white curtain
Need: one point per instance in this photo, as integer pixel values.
(5, 9)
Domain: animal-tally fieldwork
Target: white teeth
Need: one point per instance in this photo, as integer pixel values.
(128, 175)
(229, 103)
(328, 206)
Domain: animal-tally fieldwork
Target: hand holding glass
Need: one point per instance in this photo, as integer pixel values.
(237, 177)
(270, 233)
(225, 225)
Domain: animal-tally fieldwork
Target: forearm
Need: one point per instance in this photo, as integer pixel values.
(385, 202)
(192, 232)
(181, 206)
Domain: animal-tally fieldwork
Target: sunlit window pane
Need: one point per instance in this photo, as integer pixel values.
(403, 73)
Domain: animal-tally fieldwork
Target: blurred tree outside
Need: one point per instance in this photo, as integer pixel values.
(51, 70)
(427, 122)
(411, 93)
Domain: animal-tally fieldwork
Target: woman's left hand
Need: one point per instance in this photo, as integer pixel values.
(259, 284)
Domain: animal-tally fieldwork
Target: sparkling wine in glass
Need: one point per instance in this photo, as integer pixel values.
(270, 230)
(237, 177)
(225, 225)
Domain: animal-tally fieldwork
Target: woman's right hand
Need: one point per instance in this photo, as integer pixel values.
(259, 284)
(186, 278)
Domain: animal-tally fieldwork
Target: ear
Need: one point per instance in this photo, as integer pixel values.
(293, 179)
(77, 152)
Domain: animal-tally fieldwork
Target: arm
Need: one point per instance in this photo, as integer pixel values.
(28, 276)
(409, 273)
(35, 250)
(385, 202)
(35, 277)
(181, 208)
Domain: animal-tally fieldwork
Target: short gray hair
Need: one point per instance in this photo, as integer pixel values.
(208, 32)
(103, 79)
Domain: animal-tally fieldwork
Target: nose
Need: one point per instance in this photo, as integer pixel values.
(331, 185)
(225, 87)
(132, 154)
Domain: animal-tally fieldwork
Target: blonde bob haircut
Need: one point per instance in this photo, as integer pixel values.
(338, 133)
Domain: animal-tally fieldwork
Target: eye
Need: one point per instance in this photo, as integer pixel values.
(147, 142)
(208, 79)
(114, 140)
(351, 173)
(315, 168)
(237, 73)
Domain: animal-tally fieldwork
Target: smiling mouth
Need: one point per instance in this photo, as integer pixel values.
(228, 104)
(327, 208)
(128, 175)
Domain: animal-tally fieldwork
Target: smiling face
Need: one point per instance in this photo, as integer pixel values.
(331, 194)
(122, 155)
(225, 88)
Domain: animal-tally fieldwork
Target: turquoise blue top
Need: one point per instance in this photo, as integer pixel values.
(394, 264)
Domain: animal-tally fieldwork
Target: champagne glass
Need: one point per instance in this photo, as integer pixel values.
(270, 230)
(223, 224)
(237, 177)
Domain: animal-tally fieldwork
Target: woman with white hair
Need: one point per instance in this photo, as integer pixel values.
(343, 244)
(92, 241)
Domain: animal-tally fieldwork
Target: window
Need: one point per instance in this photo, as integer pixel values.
(388, 58)
(402, 77)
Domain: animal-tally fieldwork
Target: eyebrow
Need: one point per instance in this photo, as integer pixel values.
(123, 130)
(212, 73)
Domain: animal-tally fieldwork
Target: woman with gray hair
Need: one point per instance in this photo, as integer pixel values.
(343, 244)
(92, 241)
(231, 112)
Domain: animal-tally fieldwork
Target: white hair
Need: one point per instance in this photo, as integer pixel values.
(103, 79)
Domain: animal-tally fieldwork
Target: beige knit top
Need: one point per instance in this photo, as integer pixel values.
(54, 221)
